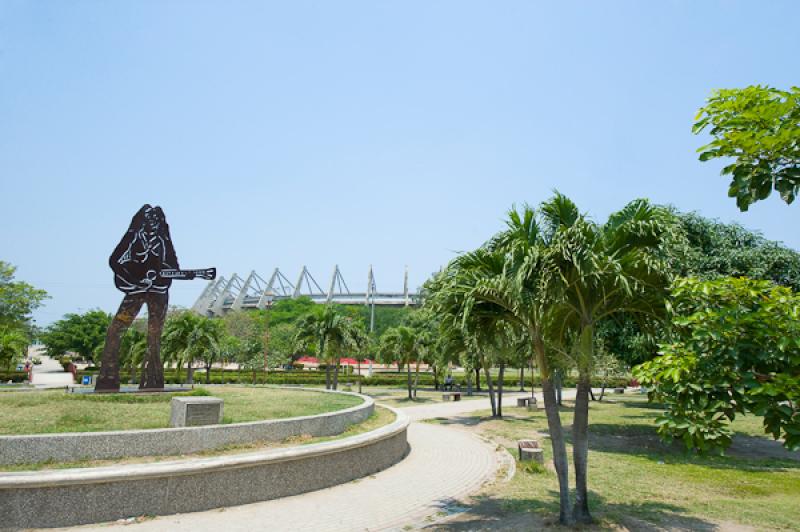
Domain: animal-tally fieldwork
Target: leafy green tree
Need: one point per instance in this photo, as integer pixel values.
(281, 345)
(17, 299)
(707, 249)
(13, 343)
(250, 356)
(736, 350)
(711, 249)
(84, 334)
(759, 128)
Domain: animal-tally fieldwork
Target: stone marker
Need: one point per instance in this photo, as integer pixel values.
(619, 390)
(194, 411)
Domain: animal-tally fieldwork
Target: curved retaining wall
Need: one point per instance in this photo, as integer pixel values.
(78, 496)
(74, 446)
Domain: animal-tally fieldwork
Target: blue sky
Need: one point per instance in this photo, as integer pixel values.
(385, 133)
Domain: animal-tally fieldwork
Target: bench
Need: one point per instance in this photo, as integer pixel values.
(455, 395)
(529, 450)
(530, 402)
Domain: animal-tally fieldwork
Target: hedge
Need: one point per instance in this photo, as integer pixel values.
(13, 376)
(318, 377)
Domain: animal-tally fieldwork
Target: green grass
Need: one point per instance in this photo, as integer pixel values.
(379, 418)
(57, 411)
(633, 474)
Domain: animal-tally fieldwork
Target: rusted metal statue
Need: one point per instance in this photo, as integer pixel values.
(144, 265)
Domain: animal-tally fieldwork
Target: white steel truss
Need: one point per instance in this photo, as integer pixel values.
(235, 293)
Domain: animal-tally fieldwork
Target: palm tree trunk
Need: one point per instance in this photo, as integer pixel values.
(580, 450)
(416, 379)
(491, 388)
(559, 449)
(603, 389)
(477, 379)
(558, 386)
(208, 373)
(327, 376)
(500, 390)
(359, 375)
(408, 371)
(522, 378)
(336, 374)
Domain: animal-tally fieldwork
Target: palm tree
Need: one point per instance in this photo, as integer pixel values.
(177, 340)
(333, 333)
(400, 344)
(189, 336)
(593, 272)
(133, 349)
(504, 281)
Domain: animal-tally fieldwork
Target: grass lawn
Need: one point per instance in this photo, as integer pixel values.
(379, 418)
(56, 411)
(638, 482)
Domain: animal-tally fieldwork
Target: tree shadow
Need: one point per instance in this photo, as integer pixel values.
(490, 513)
(643, 442)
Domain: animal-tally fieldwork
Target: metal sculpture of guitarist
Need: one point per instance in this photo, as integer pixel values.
(144, 265)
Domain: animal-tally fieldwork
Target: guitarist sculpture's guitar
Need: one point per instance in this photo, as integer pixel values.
(134, 284)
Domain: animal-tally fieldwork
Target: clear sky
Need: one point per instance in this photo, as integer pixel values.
(372, 132)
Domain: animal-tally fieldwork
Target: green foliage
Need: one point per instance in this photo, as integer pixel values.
(13, 343)
(17, 299)
(712, 249)
(707, 249)
(281, 345)
(83, 334)
(759, 127)
(189, 337)
(736, 351)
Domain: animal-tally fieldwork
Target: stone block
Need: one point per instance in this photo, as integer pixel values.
(195, 411)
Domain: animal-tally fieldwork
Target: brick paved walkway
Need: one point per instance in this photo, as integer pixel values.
(444, 465)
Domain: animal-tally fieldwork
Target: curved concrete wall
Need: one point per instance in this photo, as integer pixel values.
(79, 496)
(74, 446)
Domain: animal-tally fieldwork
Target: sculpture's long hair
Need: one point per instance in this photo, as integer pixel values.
(139, 221)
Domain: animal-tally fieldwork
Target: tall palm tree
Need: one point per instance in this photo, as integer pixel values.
(333, 333)
(503, 282)
(593, 272)
(400, 344)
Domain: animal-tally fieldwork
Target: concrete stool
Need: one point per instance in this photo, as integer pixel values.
(529, 450)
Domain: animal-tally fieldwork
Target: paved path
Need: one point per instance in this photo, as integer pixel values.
(50, 373)
(444, 464)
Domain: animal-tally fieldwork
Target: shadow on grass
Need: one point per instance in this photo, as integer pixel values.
(749, 453)
(490, 513)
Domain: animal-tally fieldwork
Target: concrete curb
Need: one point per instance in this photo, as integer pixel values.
(90, 495)
(75, 446)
